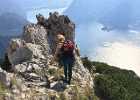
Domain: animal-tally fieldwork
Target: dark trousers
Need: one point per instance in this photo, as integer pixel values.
(68, 64)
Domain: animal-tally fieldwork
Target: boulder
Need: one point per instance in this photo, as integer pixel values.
(5, 78)
(18, 52)
(24, 53)
(58, 86)
(20, 68)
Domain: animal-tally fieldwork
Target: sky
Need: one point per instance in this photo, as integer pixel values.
(26, 8)
(118, 44)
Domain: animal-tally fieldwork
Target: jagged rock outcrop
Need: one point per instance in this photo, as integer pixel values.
(59, 24)
(37, 34)
(18, 52)
(30, 56)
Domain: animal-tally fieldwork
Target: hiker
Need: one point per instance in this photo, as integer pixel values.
(59, 43)
(64, 54)
(67, 56)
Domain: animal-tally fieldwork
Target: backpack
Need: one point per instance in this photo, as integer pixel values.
(68, 45)
(67, 50)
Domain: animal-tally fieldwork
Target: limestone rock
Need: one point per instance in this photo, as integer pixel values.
(18, 52)
(15, 90)
(81, 73)
(58, 86)
(37, 34)
(20, 68)
(24, 53)
(5, 78)
(37, 51)
(30, 56)
(59, 24)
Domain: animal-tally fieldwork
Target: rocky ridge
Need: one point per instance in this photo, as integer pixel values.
(33, 77)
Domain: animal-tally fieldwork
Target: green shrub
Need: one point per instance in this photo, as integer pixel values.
(107, 88)
(114, 83)
(88, 64)
(62, 96)
(2, 87)
(52, 71)
(117, 84)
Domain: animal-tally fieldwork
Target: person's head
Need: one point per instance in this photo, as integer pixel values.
(60, 38)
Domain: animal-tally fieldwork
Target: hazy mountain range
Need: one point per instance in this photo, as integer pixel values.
(120, 15)
(11, 24)
(4, 41)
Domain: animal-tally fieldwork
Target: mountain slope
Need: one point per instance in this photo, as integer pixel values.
(33, 75)
(118, 15)
(11, 24)
(112, 83)
(4, 41)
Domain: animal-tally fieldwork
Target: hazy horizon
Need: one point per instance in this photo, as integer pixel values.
(117, 45)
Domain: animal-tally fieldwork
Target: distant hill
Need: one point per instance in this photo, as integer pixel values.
(119, 15)
(4, 41)
(112, 83)
(11, 24)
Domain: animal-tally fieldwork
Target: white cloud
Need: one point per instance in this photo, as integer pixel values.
(44, 7)
(31, 15)
(50, 4)
(118, 48)
(121, 54)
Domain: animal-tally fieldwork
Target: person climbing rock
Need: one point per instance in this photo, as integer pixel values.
(59, 43)
(67, 53)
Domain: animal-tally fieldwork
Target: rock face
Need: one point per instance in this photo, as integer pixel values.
(19, 52)
(59, 24)
(30, 56)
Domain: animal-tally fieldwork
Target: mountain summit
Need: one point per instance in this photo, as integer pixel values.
(32, 77)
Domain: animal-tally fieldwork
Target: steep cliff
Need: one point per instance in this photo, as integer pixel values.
(33, 77)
